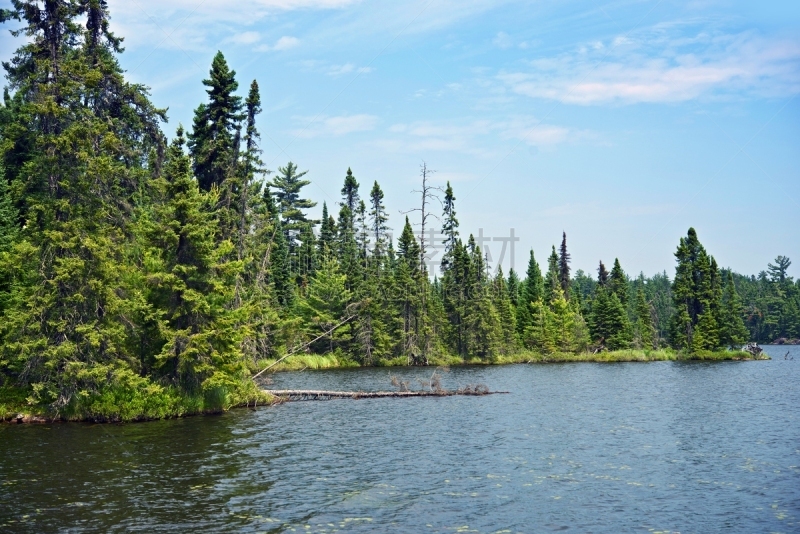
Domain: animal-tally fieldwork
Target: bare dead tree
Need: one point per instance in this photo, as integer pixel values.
(428, 193)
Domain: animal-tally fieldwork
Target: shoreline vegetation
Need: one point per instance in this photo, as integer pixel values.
(311, 362)
(116, 405)
(147, 278)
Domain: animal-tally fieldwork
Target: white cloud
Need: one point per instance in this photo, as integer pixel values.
(332, 69)
(538, 135)
(194, 25)
(347, 68)
(502, 40)
(469, 138)
(245, 38)
(284, 43)
(663, 68)
(335, 126)
(226, 9)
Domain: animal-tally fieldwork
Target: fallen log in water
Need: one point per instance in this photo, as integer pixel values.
(304, 394)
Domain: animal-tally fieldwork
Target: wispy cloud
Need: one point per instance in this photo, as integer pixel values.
(197, 25)
(334, 126)
(660, 66)
(505, 41)
(245, 38)
(332, 69)
(602, 210)
(225, 9)
(502, 40)
(284, 43)
(470, 138)
(347, 68)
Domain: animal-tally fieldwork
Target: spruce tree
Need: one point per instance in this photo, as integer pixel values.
(602, 275)
(551, 281)
(9, 232)
(534, 283)
(362, 230)
(541, 335)
(567, 330)
(532, 291)
(454, 297)
(214, 131)
(325, 306)
(378, 217)
(643, 336)
(306, 255)
(350, 197)
(280, 267)
(696, 294)
(407, 246)
(194, 285)
(97, 28)
(618, 283)
(327, 232)
(347, 249)
(505, 311)
(481, 320)
(733, 332)
(288, 184)
(608, 322)
(9, 216)
(252, 164)
(371, 331)
(513, 287)
(563, 266)
(75, 165)
(407, 287)
(449, 228)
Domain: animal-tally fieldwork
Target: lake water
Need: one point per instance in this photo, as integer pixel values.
(638, 447)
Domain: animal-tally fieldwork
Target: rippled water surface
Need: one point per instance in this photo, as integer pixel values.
(640, 447)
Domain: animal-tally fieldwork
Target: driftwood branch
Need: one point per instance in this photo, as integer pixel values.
(301, 347)
(306, 394)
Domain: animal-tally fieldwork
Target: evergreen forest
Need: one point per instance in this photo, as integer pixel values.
(142, 276)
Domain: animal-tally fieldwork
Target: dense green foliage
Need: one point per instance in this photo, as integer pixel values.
(142, 278)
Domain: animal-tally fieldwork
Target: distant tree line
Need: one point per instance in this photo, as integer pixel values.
(128, 258)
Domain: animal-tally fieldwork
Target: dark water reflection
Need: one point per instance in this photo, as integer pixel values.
(688, 447)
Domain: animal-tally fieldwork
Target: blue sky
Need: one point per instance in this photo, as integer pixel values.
(622, 123)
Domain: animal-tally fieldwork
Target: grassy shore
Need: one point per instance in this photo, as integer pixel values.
(120, 404)
(135, 401)
(339, 361)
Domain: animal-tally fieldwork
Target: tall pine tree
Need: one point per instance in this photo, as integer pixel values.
(695, 295)
(733, 332)
(643, 335)
(378, 218)
(563, 266)
(212, 142)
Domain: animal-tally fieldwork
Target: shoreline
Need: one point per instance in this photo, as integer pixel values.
(302, 362)
(19, 413)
